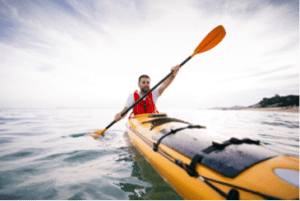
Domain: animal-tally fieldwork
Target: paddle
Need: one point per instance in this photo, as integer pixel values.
(209, 42)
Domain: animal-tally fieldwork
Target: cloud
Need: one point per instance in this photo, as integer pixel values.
(78, 53)
(282, 77)
(259, 73)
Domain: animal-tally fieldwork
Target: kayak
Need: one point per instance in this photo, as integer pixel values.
(202, 165)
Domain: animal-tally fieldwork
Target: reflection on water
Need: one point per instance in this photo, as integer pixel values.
(44, 154)
(143, 170)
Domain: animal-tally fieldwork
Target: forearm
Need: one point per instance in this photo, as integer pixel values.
(169, 80)
(118, 115)
(125, 108)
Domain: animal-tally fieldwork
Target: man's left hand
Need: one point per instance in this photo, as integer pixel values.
(175, 69)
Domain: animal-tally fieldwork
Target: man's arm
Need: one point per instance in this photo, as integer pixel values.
(129, 102)
(118, 115)
(169, 80)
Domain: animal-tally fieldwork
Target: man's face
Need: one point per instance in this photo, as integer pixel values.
(144, 85)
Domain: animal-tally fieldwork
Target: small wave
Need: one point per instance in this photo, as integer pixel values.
(286, 124)
(86, 155)
(16, 156)
(5, 140)
(77, 135)
(4, 119)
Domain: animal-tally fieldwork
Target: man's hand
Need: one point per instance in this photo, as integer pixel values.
(118, 117)
(175, 69)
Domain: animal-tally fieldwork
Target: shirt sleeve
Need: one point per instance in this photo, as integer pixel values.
(155, 95)
(130, 101)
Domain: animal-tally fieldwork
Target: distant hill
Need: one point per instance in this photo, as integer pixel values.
(276, 101)
(237, 107)
(279, 101)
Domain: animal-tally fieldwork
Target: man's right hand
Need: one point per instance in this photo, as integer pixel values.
(118, 117)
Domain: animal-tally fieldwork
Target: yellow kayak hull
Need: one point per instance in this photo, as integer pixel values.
(257, 182)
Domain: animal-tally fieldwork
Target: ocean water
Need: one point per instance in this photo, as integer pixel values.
(44, 155)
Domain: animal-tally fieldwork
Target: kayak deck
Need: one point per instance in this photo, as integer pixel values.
(192, 160)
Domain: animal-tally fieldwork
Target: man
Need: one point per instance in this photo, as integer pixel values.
(148, 104)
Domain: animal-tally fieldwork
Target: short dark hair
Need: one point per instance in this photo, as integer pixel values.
(143, 76)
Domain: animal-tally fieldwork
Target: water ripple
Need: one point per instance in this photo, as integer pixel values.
(45, 155)
(16, 156)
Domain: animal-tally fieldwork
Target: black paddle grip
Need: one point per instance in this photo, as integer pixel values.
(185, 61)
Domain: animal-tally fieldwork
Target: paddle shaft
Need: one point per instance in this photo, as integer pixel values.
(146, 94)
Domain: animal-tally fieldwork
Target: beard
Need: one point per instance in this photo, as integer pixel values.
(145, 90)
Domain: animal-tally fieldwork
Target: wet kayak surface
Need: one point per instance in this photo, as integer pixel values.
(44, 154)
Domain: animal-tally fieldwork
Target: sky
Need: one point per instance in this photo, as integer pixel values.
(90, 53)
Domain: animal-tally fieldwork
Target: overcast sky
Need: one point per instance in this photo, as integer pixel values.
(84, 53)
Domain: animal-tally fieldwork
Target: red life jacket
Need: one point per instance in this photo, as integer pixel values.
(144, 106)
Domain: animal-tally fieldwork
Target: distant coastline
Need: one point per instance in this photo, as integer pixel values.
(271, 109)
(275, 109)
(274, 104)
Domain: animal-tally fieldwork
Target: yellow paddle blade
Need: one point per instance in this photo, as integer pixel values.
(211, 40)
(100, 132)
(96, 134)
